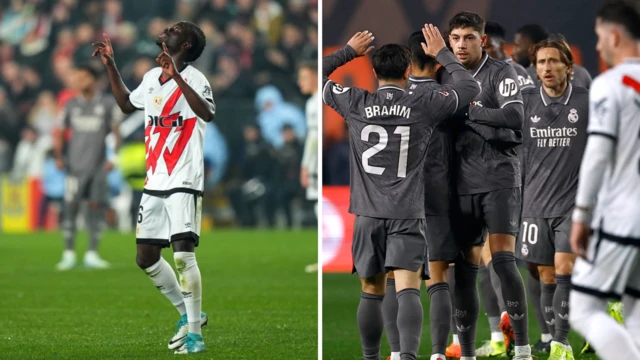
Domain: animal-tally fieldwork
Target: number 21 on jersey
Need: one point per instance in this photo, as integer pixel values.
(403, 131)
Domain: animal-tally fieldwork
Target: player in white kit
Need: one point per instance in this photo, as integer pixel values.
(308, 83)
(609, 266)
(177, 101)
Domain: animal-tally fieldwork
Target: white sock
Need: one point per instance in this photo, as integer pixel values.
(395, 355)
(191, 288)
(545, 338)
(456, 340)
(523, 350)
(497, 336)
(468, 358)
(589, 318)
(165, 280)
(438, 357)
(632, 318)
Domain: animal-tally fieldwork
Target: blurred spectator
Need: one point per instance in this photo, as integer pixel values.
(231, 81)
(215, 155)
(29, 156)
(267, 19)
(43, 114)
(289, 157)
(276, 113)
(220, 12)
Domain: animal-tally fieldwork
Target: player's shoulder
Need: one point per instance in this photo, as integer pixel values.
(193, 72)
(153, 73)
(580, 91)
(531, 91)
(611, 80)
(496, 64)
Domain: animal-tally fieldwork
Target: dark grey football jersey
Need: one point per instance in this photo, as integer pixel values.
(554, 138)
(90, 123)
(483, 166)
(580, 78)
(524, 78)
(389, 131)
(439, 155)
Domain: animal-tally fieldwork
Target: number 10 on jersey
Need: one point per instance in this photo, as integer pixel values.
(403, 131)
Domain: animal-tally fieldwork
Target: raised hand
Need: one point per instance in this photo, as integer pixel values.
(360, 42)
(166, 61)
(105, 50)
(434, 39)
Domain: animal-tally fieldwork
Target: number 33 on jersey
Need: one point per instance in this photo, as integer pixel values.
(389, 132)
(174, 135)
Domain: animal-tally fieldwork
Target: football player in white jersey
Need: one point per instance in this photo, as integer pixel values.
(308, 83)
(177, 101)
(609, 266)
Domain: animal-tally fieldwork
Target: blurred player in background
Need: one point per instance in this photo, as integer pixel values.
(177, 101)
(308, 83)
(606, 231)
(89, 117)
(554, 137)
(495, 48)
(525, 41)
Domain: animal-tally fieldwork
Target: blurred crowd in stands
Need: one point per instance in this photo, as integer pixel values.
(252, 149)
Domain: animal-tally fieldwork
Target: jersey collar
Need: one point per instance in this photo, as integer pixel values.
(169, 79)
(421, 79)
(390, 87)
(564, 99)
(483, 61)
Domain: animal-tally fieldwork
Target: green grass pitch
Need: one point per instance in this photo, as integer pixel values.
(340, 340)
(261, 304)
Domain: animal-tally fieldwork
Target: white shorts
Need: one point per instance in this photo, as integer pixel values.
(612, 269)
(167, 218)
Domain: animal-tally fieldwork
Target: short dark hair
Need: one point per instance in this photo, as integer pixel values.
(418, 57)
(467, 19)
(533, 32)
(391, 61)
(308, 64)
(556, 41)
(495, 30)
(196, 38)
(622, 12)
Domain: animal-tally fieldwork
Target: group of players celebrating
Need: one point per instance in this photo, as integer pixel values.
(476, 162)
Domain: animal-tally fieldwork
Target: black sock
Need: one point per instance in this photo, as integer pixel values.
(451, 274)
(561, 308)
(390, 315)
(467, 306)
(504, 262)
(489, 299)
(439, 316)
(535, 296)
(410, 317)
(546, 299)
(370, 324)
(497, 287)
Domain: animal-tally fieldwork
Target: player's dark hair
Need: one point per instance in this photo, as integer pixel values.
(196, 38)
(533, 32)
(467, 19)
(418, 57)
(95, 73)
(308, 64)
(556, 41)
(495, 30)
(391, 61)
(622, 12)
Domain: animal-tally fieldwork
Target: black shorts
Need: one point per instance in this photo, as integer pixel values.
(440, 240)
(496, 211)
(541, 238)
(383, 245)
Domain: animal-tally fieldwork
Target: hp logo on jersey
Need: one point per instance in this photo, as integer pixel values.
(508, 87)
(573, 116)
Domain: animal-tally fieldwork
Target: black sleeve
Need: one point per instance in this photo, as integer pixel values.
(464, 85)
(335, 95)
(510, 115)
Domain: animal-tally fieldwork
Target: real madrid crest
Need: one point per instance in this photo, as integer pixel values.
(573, 115)
(525, 250)
(157, 101)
